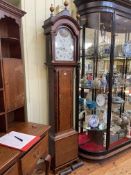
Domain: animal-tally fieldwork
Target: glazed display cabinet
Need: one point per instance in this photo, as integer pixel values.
(104, 121)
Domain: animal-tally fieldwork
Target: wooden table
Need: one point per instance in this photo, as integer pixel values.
(15, 162)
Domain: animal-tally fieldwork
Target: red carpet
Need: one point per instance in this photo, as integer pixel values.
(87, 144)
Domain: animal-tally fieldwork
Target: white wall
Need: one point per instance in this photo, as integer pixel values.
(34, 57)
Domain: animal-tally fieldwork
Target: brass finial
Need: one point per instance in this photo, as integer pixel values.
(78, 16)
(52, 9)
(66, 4)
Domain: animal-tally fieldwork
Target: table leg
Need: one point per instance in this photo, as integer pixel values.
(47, 164)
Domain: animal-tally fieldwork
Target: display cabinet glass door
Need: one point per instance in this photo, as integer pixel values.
(121, 85)
(95, 59)
(105, 82)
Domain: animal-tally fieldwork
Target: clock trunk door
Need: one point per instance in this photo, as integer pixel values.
(65, 99)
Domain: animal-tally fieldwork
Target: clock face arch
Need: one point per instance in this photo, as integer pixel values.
(64, 45)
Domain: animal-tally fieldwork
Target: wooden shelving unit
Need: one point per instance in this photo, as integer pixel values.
(11, 67)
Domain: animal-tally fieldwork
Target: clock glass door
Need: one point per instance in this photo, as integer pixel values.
(64, 45)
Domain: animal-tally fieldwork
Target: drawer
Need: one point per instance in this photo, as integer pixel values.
(29, 160)
(12, 170)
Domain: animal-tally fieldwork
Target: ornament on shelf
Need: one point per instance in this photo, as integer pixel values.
(127, 49)
(96, 83)
(128, 130)
(105, 116)
(104, 83)
(93, 121)
(100, 100)
(104, 139)
(91, 104)
(83, 81)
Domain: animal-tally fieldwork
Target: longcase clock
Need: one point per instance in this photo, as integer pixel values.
(62, 38)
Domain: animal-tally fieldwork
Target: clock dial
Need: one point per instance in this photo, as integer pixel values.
(64, 45)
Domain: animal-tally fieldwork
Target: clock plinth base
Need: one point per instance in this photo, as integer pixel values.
(78, 163)
(64, 149)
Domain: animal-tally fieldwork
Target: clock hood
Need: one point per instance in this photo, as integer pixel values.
(52, 20)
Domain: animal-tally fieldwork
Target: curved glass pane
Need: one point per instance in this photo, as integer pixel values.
(121, 87)
(94, 81)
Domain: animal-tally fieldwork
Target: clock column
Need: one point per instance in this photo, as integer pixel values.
(60, 30)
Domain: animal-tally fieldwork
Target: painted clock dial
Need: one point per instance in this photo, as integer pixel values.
(64, 45)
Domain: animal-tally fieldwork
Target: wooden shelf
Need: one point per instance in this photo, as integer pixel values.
(10, 47)
(11, 58)
(2, 113)
(1, 89)
(10, 39)
(14, 109)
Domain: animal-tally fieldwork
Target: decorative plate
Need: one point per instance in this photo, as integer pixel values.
(117, 100)
(127, 49)
(93, 121)
(100, 100)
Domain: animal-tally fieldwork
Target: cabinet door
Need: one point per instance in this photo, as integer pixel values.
(14, 83)
(64, 98)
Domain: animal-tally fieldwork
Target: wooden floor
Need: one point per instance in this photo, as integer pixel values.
(119, 164)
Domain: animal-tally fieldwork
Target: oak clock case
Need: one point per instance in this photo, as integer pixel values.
(62, 35)
(104, 121)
